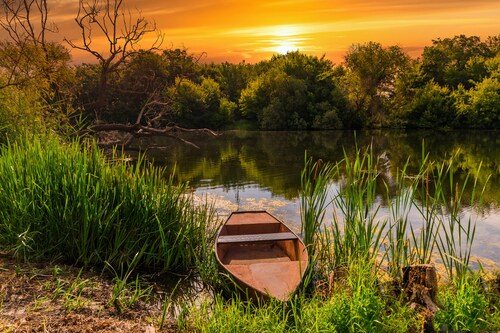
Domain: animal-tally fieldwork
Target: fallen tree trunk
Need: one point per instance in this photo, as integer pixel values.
(132, 131)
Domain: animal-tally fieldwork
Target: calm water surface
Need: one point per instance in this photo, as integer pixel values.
(261, 170)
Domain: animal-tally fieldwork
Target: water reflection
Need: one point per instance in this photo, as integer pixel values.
(261, 170)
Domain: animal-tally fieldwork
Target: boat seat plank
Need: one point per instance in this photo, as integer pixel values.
(275, 236)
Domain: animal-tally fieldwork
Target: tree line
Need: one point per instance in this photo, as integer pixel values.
(454, 84)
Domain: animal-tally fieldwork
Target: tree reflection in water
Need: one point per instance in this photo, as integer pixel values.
(261, 170)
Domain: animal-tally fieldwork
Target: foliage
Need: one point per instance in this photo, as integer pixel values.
(355, 306)
(200, 105)
(232, 78)
(126, 218)
(181, 64)
(452, 86)
(465, 306)
(145, 75)
(62, 202)
(110, 21)
(18, 113)
(296, 92)
(433, 106)
(482, 106)
(456, 61)
(372, 71)
(24, 110)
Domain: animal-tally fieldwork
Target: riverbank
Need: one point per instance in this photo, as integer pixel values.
(53, 297)
(50, 297)
(64, 206)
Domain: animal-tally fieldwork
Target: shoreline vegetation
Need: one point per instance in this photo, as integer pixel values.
(90, 243)
(455, 84)
(83, 236)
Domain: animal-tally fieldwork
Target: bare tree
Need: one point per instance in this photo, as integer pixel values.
(27, 21)
(152, 114)
(27, 54)
(108, 19)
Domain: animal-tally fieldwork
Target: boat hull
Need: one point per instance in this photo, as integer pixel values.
(262, 254)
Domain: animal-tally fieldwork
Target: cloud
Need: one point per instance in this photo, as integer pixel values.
(252, 28)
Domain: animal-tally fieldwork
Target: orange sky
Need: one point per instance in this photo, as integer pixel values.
(236, 30)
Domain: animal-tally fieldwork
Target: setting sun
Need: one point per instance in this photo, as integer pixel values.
(230, 30)
(285, 46)
(285, 39)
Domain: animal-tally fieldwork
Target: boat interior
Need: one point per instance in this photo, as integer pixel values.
(262, 253)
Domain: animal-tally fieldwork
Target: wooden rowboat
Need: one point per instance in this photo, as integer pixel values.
(263, 255)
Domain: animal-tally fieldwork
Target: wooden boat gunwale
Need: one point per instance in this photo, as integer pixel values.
(284, 235)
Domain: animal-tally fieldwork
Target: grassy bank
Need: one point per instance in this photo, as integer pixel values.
(357, 281)
(67, 203)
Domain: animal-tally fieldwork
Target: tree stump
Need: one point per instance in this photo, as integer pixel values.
(422, 276)
(420, 286)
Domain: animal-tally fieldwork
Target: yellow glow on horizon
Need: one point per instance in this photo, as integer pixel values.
(253, 31)
(285, 46)
(284, 39)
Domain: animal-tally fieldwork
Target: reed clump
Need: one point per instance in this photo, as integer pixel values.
(61, 200)
(66, 201)
(390, 244)
(359, 257)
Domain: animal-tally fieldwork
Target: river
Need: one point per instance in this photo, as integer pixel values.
(246, 170)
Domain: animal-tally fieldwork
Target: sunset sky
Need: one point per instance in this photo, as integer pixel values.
(236, 30)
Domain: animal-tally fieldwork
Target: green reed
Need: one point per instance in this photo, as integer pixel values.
(315, 178)
(67, 201)
(398, 248)
(457, 236)
(360, 234)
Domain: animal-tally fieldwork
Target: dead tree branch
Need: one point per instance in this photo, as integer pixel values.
(108, 20)
(26, 55)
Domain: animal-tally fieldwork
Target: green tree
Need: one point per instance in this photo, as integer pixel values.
(296, 92)
(432, 107)
(371, 72)
(232, 79)
(406, 87)
(36, 80)
(456, 61)
(142, 78)
(27, 56)
(200, 105)
(482, 108)
(182, 64)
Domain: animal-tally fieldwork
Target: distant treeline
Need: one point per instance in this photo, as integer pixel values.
(454, 84)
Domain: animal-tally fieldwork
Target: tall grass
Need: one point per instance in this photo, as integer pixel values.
(65, 200)
(358, 232)
(314, 200)
(457, 236)
(355, 233)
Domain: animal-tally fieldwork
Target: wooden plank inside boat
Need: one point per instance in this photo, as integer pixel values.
(263, 255)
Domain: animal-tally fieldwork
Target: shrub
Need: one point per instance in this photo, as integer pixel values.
(66, 201)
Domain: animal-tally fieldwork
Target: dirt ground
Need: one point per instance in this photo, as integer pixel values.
(57, 298)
